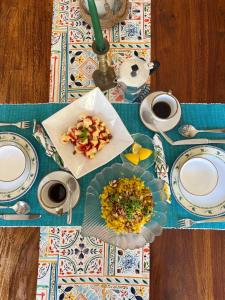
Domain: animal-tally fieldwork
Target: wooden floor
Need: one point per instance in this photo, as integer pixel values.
(188, 38)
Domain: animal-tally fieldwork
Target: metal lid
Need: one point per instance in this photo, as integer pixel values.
(134, 72)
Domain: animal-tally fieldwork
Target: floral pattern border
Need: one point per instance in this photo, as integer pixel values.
(195, 151)
(72, 267)
(72, 59)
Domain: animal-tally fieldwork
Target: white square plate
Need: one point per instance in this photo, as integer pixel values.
(95, 104)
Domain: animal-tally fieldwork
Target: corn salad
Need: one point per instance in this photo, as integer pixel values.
(127, 204)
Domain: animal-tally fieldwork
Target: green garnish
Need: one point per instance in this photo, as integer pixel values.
(113, 198)
(130, 206)
(84, 134)
(146, 211)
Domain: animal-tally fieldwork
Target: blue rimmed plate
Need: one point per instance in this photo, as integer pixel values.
(21, 178)
(212, 203)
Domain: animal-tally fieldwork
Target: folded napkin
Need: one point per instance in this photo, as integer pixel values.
(41, 136)
(161, 166)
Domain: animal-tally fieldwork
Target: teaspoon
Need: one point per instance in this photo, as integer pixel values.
(71, 184)
(20, 208)
(190, 131)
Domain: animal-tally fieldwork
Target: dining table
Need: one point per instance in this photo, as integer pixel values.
(188, 38)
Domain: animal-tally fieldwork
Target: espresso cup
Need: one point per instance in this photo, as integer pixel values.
(165, 110)
(54, 194)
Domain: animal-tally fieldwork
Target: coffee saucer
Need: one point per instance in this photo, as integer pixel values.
(145, 107)
(63, 177)
(201, 196)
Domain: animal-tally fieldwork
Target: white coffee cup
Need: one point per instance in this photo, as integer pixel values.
(165, 110)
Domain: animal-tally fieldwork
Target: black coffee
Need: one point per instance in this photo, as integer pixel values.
(162, 110)
(57, 192)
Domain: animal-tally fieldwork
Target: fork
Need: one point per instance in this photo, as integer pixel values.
(21, 125)
(186, 223)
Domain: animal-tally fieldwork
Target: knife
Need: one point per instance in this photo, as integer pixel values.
(190, 141)
(19, 217)
(148, 119)
(198, 142)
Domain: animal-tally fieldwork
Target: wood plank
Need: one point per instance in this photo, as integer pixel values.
(188, 38)
(188, 264)
(18, 263)
(24, 77)
(25, 50)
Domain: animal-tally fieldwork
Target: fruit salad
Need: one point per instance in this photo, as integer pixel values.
(89, 135)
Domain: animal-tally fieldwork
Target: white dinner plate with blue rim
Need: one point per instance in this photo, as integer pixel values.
(19, 162)
(213, 203)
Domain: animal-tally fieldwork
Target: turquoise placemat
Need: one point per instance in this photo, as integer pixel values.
(200, 115)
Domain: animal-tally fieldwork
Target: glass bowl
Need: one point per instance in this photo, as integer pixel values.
(146, 142)
(94, 224)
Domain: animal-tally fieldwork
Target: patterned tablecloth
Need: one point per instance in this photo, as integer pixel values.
(70, 266)
(72, 58)
(75, 268)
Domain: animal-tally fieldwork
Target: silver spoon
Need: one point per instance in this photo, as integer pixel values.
(71, 185)
(147, 119)
(20, 208)
(190, 131)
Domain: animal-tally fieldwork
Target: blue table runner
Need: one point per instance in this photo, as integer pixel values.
(200, 115)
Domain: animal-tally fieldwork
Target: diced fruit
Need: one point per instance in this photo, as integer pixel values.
(101, 145)
(144, 153)
(88, 136)
(85, 142)
(95, 133)
(91, 153)
(87, 122)
(65, 138)
(136, 148)
(77, 132)
(132, 157)
(94, 142)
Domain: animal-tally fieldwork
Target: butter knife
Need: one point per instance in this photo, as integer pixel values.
(14, 217)
(198, 142)
(190, 141)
